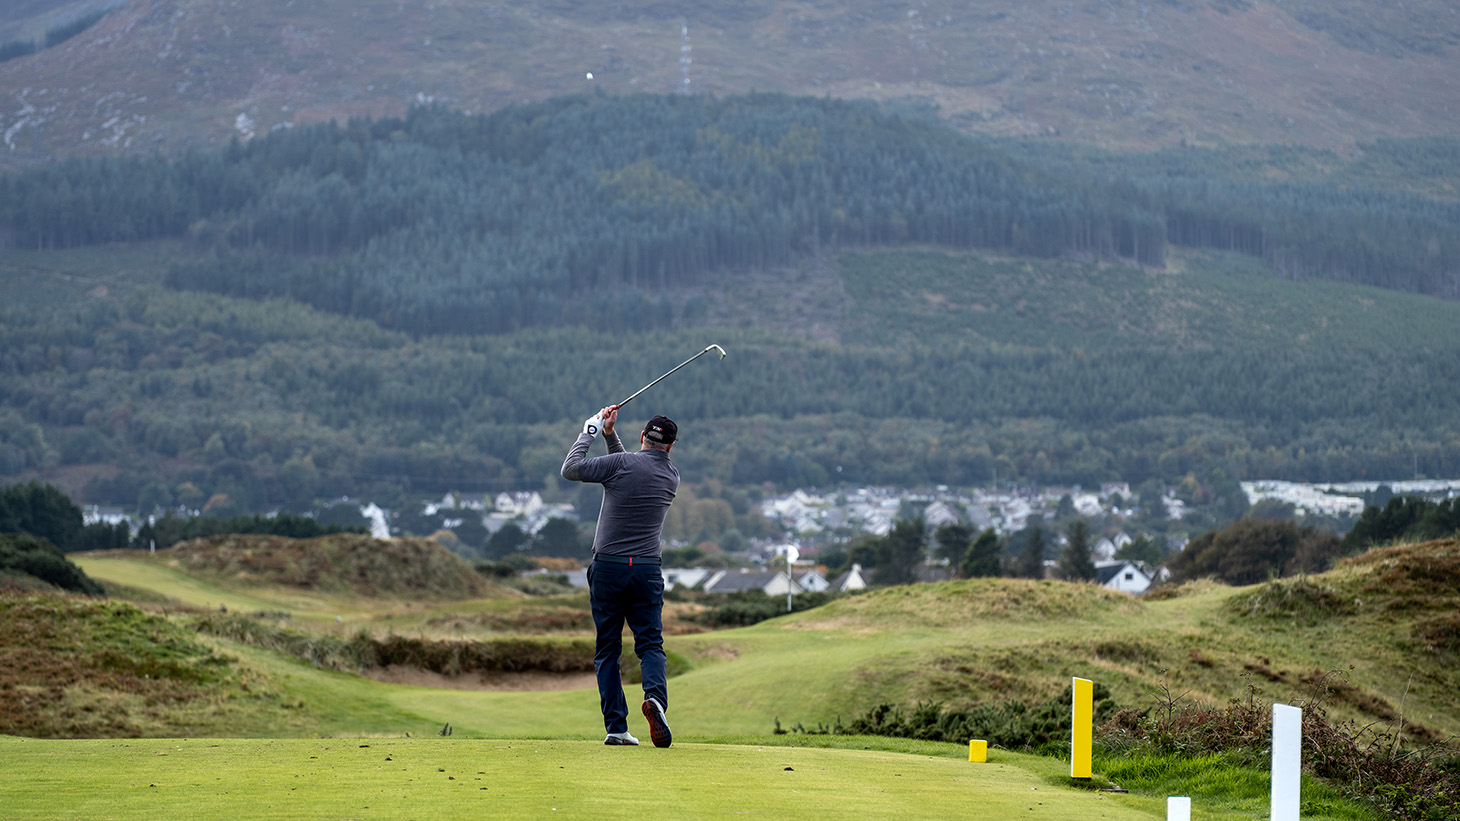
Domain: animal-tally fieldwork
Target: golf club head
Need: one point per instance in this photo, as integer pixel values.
(717, 349)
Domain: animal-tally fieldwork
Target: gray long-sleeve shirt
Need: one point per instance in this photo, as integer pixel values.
(637, 491)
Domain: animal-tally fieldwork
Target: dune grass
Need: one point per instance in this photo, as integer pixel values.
(960, 643)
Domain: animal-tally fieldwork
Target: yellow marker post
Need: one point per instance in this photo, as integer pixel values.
(978, 751)
(1082, 713)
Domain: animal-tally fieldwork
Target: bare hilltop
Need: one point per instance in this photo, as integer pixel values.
(169, 74)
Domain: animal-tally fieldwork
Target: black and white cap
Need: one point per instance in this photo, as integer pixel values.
(661, 430)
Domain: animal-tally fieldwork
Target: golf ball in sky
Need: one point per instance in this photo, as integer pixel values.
(590, 75)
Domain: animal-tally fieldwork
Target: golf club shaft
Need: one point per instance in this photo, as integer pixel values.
(715, 348)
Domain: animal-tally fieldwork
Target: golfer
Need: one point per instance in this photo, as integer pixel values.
(624, 581)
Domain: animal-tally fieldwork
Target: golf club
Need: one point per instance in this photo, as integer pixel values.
(716, 348)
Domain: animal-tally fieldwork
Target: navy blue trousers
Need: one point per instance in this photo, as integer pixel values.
(634, 594)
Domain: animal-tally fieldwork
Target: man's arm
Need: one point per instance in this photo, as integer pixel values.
(572, 469)
(573, 464)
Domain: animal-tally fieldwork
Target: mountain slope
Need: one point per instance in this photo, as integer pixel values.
(1046, 370)
(171, 73)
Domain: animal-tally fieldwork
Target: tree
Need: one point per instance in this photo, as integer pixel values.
(562, 538)
(1076, 564)
(1274, 510)
(36, 557)
(471, 532)
(984, 557)
(1031, 560)
(902, 552)
(40, 510)
(1152, 494)
(1066, 507)
(506, 542)
(1401, 517)
(1254, 550)
(1143, 550)
(952, 540)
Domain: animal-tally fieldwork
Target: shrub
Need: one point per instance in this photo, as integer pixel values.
(1253, 550)
(1010, 724)
(752, 606)
(1302, 600)
(38, 558)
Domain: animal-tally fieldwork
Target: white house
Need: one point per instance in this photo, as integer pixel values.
(1125, 577)
(1112, 488)
(683, 576)
(853, 579)
(938, 514)
(518, 504)
(1087, 504)
(772, 583)
(811, 581)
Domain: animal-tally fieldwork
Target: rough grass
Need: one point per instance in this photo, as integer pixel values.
(1219, 784)
(966, 602)
(72, 667)
(987, 641)
(338, 563)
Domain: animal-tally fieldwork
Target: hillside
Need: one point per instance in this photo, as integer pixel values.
(170, 74)
(399, 306)
(1373, 641)
(153, 396)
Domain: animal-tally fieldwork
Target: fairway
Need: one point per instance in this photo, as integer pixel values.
(461, 778)
(192, 591)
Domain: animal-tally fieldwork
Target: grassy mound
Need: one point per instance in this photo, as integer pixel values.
(339, 563)
(951, 604)
(1413, 578)
(75, 668)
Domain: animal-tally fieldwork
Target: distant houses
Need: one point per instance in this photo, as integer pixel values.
(1121, 576)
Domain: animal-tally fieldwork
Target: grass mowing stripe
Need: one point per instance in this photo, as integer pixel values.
(452, 778)
(187, 589)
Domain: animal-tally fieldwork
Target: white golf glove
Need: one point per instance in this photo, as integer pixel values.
(592, 425)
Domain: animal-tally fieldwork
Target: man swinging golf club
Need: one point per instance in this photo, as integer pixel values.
(624, 580)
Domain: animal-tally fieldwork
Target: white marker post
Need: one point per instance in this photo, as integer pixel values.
(1287, 761)
(1178, 808)
(792, 554)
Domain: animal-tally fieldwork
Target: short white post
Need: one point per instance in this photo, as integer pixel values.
(1287, 761)
(1178, 808)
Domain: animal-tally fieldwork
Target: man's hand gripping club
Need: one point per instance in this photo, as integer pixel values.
(603, 421)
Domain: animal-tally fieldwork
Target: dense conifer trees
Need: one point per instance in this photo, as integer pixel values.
(444, 222)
